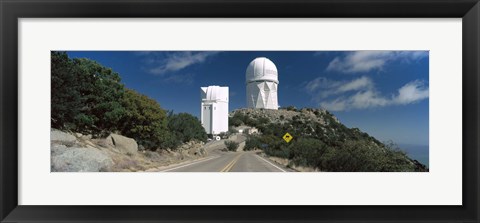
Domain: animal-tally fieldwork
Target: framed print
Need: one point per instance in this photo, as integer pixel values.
(276, 111)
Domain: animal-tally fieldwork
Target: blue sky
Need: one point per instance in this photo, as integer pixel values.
(384, 93)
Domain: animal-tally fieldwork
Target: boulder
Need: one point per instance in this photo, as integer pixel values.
(102, 142)
(78, 159)
(202, 152)
(123, 144)
(197, 152)
(86, 137)
(194, 148)
(58, 136)
(57, 149)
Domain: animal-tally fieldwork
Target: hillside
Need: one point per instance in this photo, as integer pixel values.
(320, 141)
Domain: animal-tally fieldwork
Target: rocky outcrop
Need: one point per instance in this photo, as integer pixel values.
(68, 154)
(75, 152)
(286, 115)
(58, 136)
(78, 159)
(122, 144)
(193, 148)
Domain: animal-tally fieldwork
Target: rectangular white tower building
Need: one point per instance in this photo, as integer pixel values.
(214, 110)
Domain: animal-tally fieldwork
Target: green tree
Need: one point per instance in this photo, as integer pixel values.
(65, 97)
(102, 93)
(186, 127)
(85, 95)
(144, 120)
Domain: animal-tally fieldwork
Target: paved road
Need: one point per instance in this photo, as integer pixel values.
(229, 162)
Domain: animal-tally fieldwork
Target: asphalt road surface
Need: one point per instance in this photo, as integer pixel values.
(241, 161)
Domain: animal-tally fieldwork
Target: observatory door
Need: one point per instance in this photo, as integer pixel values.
(207, 118)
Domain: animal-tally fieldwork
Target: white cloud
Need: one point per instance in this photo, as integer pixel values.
(168, 64)
(364, 61)
(317, 83)
(172, 62)
(360, 100)
(357, 84)
(339, 104)
(323, 87)
(412, 92)
(361, 93)
(367, 99)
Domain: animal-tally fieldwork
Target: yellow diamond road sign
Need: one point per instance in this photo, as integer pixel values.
(287, 137)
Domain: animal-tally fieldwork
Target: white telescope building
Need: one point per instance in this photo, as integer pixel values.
(262, 84)
(214, 110)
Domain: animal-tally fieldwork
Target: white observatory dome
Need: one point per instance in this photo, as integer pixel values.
(214, 93)
(262, 68)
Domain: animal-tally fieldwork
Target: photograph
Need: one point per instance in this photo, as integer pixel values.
(239, 111)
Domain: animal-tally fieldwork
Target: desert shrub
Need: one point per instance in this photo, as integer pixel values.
(236, 120)
(291, 108)
(252, 143)
(231, 145)
(307, 152)
(332, 148)
(232, 130)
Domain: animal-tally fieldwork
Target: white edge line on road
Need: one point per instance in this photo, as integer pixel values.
(271, 164)
(178, 167)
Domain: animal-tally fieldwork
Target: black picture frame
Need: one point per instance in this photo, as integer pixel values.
(11, 11)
